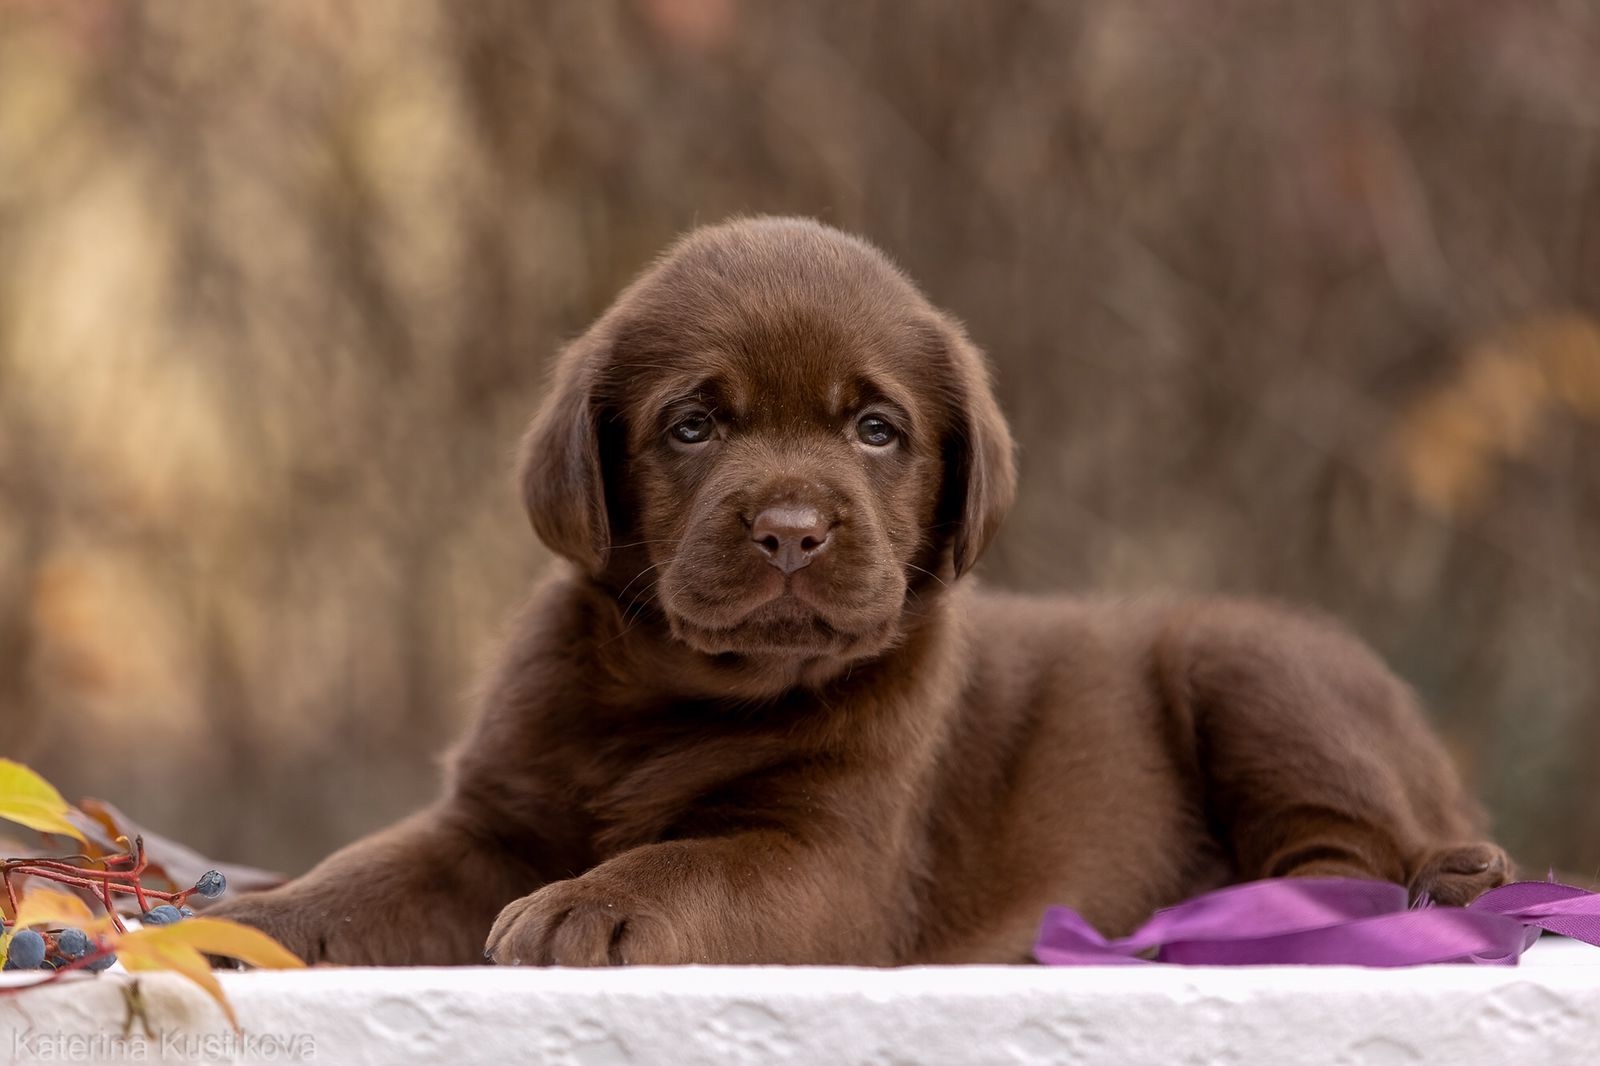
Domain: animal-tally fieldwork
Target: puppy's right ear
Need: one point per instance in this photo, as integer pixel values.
(981, 472)
(562, 480)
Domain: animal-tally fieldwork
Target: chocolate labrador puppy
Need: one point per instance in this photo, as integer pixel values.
(762, 715)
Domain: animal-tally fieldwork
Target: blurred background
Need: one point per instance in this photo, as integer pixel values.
(1288, 299)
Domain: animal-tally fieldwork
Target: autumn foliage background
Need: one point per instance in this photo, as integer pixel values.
(1286, 299)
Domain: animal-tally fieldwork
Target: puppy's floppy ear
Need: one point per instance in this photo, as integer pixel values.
(980, 469)
(562, 480)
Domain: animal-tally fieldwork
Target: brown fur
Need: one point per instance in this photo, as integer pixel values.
(687, 755)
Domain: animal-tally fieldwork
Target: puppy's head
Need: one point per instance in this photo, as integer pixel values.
(774, 441)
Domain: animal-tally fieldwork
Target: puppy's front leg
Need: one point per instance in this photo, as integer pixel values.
(762, 896)
(422, 892)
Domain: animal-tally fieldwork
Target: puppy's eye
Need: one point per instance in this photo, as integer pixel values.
(693, 429)
(876, 431)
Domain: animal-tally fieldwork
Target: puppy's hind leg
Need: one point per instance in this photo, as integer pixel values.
(1313, 759)
(1457, 874)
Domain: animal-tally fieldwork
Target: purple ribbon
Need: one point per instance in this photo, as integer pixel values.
(1329, 922)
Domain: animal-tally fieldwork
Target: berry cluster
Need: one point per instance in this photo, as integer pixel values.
(107, 877)
(56, 950)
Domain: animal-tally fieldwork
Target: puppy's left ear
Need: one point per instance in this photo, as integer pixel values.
(562, 480)
(980, 467)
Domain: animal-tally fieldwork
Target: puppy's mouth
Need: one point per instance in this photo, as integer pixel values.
(781, 617)
(782, 625)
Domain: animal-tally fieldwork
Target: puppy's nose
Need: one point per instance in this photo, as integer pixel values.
(790, 536)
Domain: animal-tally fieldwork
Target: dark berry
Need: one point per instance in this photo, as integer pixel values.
(211, 884)
(165, 914)
(73, 944)
(104, 962)
(27, 951)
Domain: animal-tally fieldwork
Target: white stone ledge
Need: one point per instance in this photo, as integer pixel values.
(1547, 1011)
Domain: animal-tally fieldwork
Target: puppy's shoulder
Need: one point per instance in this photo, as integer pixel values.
(1028, 618)
(1025, 638)
(1141, 617)
(1254, 624)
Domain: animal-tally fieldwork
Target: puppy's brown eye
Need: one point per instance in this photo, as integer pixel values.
(876, 431)
(695, 429)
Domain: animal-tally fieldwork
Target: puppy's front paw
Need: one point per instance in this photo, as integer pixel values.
(581, 923)
(282, 917)
(347, 930)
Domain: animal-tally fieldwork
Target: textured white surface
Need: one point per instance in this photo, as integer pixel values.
(1547, 1010)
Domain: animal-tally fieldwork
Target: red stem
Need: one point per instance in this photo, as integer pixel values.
(111, 910)
(64, 867)
(103, 881)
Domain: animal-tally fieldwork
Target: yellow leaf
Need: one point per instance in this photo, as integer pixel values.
(43, 907)
(139, 951)
(178, 947)
(30, 800)
(218, 936)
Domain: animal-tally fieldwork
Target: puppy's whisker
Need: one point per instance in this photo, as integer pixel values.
(642, 601)
(641, 573)
(627, 626)
(646, 366)
(637, 543)
(930, 573)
